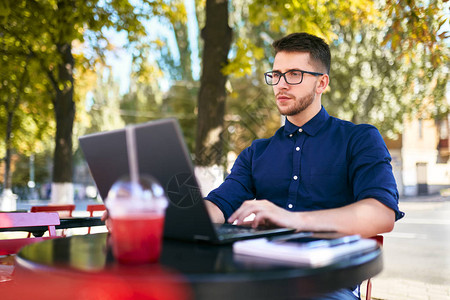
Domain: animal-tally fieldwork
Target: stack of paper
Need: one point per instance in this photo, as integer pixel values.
(315, 254)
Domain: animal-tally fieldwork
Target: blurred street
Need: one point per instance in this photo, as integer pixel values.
(80, 205)
(417, 252)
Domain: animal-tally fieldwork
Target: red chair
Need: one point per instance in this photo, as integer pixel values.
(379, 239)
(17, 220)
(63, 210)
(94, 207)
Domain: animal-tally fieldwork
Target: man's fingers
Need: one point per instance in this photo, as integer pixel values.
(251, 208)
(105, 216)
(241, 213)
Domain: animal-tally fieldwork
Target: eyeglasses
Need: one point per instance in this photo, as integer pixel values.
(291, 77)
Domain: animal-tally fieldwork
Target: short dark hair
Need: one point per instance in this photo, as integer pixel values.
(304, 42)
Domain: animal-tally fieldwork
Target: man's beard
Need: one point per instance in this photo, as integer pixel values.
(300, 105)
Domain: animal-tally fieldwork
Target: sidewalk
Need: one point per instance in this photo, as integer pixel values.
(386, 287)
(403, 289)
(425, 198)
(80, 205)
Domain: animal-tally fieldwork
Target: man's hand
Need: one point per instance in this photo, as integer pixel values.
(105, 218)
(214, 212)
(367, 217)
(265, 214)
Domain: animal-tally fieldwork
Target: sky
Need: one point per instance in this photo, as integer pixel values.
(120, 61)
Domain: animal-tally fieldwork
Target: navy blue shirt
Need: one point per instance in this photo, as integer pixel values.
(326, 163)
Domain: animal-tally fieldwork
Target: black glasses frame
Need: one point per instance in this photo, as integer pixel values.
(267, 74)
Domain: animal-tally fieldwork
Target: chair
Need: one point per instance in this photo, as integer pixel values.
(379, 239)
(94, 207)
(64, 210)
(17, 220)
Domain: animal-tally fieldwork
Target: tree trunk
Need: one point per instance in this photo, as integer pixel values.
(11, 107)
(7, 180)
(181, 34)
(8, 201)
(211, 99)
(64, 106)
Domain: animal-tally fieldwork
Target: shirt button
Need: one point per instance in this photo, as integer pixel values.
(295, 177)
(290, 205)
(300, 130)
(290, 135)
(297, 149)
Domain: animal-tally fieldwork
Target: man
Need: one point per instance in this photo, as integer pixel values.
(317, 173)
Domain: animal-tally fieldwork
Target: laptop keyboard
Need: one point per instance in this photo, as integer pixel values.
(228, 229)
(229, 232)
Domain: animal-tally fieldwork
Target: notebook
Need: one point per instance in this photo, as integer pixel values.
(162, 153)
(313, 249)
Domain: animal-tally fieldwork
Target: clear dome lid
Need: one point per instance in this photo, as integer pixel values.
(145, 195)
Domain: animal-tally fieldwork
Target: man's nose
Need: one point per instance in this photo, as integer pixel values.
(282, 83)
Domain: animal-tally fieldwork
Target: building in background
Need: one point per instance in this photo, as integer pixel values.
(420, 157)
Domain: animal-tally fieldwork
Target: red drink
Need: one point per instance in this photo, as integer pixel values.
(137, 238)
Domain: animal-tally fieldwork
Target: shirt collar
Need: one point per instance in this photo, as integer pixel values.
(311, 127)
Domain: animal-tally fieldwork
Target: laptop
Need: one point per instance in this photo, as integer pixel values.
(162, 153)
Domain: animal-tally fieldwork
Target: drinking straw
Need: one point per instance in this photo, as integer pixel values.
(132, 153)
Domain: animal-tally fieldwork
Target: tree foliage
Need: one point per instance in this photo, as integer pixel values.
(45, 32)
(21, 174)
(383, 68)
(103, 104)
(389, 60)
(417, 22)
(377, 77)
(376, 85)
(26, 119)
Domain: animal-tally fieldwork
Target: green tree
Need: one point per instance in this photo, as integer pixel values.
(104, 103)
(178, 20)
(11, 96)
(257, 23)
(181, 102)
(251, 110)
(46, 31)
(376, 85)
(400, 59)
(211, 98)
(143, 102)
(28, 121)
(417, 25)
(21, 174)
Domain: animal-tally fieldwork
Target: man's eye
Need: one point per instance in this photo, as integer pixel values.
(295, 73)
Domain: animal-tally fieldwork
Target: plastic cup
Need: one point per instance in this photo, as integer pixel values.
(137, 212)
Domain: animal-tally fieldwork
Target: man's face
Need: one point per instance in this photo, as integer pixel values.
(293, 99)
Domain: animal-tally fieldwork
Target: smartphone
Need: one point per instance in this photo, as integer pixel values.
(316, 239)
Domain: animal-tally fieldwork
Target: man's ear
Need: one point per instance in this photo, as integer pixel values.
(322, 84)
